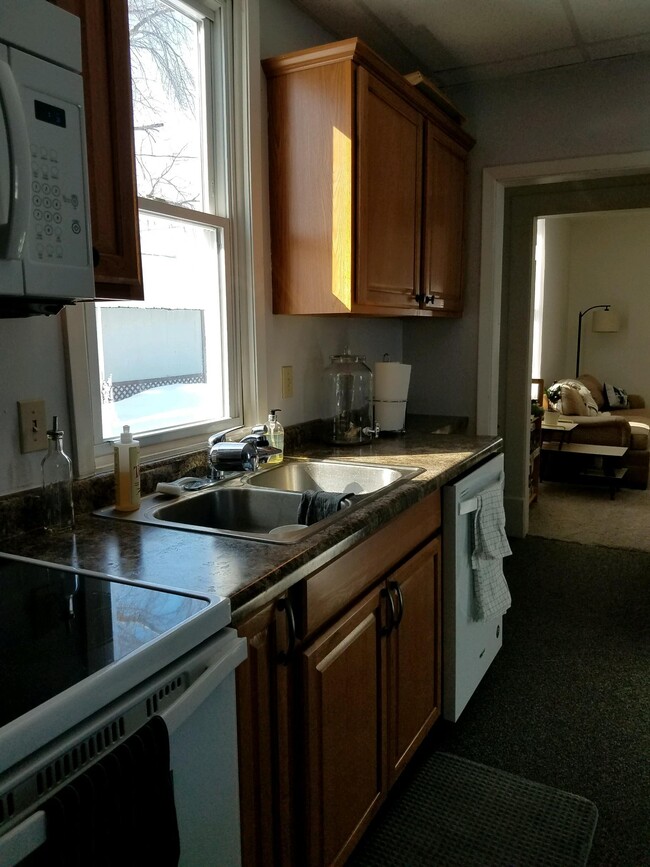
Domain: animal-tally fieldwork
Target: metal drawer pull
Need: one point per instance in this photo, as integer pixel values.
(284, 656)
(395, 585)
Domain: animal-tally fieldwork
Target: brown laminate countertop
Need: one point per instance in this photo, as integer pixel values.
(252, 572)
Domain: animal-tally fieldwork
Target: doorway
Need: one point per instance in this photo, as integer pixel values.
(514, 197)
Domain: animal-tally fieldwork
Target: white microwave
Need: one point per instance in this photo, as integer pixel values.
(45, 240)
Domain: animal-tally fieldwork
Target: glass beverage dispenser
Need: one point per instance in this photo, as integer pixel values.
(349, 388)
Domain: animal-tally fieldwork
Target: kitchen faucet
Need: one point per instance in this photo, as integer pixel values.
(244, 455)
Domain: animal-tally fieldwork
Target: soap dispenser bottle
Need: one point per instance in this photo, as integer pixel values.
(126, 454)
(56, 471)
(276, 437)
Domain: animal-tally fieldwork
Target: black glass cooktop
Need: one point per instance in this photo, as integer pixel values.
(58, 626)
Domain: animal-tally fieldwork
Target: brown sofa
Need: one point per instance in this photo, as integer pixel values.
(600, 422)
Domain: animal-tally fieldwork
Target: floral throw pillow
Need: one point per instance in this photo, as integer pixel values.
(616, 397)
(571, 397)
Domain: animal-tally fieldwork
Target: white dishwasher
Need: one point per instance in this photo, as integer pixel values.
(469, 646)
(118, 741)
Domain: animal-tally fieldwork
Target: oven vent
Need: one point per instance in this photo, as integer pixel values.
(47, 779)
(158, 701)
(64, 766)
(25, 790)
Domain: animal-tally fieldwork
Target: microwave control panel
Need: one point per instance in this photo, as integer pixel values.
(58, 254)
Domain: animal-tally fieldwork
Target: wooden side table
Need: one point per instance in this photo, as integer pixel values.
(610, 474)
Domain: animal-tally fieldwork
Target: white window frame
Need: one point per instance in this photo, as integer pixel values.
(245, 266)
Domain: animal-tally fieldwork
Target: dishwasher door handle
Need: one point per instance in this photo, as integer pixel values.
(22, 840)
(205, 684)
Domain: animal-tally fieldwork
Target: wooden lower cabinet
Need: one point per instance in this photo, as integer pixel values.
(344, 674)
(265, 743)
(341, 685)
(371, 693)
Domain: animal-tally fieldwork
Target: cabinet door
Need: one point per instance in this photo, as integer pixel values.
(265, 742)
(414, 654)
(389, 203)
(109, 136)
(345, 731)
(444, 223)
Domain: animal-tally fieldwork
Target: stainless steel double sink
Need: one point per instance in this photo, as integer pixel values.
(264, 505)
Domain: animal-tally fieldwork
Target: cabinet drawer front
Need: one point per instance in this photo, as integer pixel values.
(327, 592)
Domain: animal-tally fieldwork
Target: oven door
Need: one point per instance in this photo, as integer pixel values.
(195, 698)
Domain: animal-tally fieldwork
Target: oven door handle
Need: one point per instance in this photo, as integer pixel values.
(22, 840)
(193, 697)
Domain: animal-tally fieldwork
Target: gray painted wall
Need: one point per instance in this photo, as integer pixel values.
(565, 113)
(571, 112)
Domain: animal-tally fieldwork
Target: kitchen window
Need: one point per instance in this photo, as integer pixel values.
(171, 366)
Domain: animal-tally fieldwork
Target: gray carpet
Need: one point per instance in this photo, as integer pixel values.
(585, 514)
(566, 703)
(459, 813)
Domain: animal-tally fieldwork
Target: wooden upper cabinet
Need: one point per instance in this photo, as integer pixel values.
(348, 156)
(109, 135)
(389, 213)
(445, 173)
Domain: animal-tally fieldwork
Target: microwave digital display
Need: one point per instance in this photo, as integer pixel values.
(49, 113)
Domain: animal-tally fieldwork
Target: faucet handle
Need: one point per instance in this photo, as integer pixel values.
(233, 457)
(221, 436)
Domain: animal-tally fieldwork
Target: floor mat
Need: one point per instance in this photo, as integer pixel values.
(458, 813)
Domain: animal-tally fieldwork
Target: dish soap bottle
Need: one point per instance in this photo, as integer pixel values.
(276, 437)
(126, 454)
(56, 469)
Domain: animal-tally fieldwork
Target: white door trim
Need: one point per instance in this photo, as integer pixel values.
(495, 181)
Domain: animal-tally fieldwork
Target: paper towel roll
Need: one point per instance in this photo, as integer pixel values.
(391, 380)
(390, 414)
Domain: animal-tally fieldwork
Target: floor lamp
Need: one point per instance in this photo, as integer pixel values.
(607, 321)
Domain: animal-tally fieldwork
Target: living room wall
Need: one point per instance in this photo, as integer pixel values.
(599, 258)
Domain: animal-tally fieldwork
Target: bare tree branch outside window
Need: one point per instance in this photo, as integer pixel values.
(164, 87)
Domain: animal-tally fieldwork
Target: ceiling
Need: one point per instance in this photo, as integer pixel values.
(457, 41)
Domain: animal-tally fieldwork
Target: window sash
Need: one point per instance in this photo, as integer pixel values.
(242, 187)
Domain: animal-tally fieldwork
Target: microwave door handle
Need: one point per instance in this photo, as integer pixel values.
(16, 201)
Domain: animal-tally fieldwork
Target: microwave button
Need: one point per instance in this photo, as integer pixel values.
(36, 201)
(54, 172)
(56, 191)
(37, 213)
(48, 229)
(57, 218)
(36, 187)
(76, 227)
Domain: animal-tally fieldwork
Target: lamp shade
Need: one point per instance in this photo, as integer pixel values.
(604, 320)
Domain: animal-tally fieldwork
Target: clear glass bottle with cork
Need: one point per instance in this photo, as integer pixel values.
(56, 471)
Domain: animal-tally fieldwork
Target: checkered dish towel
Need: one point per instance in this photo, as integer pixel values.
(491, 593)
